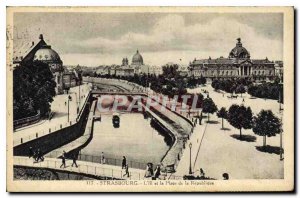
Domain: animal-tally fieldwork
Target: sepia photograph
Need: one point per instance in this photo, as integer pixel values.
(150, 99)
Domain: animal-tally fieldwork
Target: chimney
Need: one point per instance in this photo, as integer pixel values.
(41, 37)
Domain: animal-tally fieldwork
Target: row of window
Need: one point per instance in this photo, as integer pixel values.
(226, 73)
(228, 67)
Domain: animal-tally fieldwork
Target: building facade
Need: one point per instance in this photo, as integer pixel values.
(237, 65)
(126, 69)
(28, 52)
(47, 55)
(279, 69)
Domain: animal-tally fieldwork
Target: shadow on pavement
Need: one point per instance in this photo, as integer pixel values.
(212, 122)
(269, 149)
(226, 129)
(246, 138)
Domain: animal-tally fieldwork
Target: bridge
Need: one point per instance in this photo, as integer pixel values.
(84, 168)
(94, 92)
(87, 168)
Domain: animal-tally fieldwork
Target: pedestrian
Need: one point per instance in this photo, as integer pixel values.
(151, 170)
(200, 118)
(225, 176)
(65, 103)
(126, 170)
(30, 152)
(243, 99)
(40, 156)
(124, 162)
(157, 172)
(148, 172)
(74, 161)
(102, 159)
(63, 160)
(202, 174)
(37, 155)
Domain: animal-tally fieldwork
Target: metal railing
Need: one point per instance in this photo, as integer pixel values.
(27, 121)
(107, 173)
(97, 159)
(112, 161)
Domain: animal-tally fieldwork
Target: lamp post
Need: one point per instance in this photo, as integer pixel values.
(79, 95)
(190, 169)
(69, 98)
(281, 149)
(280, 96)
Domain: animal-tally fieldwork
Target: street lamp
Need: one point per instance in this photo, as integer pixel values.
(79, 95)
(69, 98)
(280, 96)
(281, 149)
(190, 169)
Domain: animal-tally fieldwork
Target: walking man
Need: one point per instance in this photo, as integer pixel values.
(202, 174)
(124, 162)
(200, 118)
(37, 155)
(126, 170)
(30, 153)
(40, 156)
(102, 159)
(74, 161)
(157, 172)
(63, 160)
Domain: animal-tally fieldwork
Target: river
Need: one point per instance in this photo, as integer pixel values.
(135, 139)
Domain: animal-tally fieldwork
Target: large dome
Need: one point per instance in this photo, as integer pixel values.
(239, 51)
(46, 54)
(137, 59)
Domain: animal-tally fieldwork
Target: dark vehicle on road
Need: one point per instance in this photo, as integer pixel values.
(116, 121)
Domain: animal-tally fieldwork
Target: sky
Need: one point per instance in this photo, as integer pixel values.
(93, 39)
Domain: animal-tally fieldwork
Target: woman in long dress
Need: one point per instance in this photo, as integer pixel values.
(148, 172)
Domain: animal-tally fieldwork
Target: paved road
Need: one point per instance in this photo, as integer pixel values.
(60, 117)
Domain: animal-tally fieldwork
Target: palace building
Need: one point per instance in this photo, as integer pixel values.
(237, 65)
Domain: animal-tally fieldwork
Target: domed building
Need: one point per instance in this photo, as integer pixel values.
(38, 50)
(239, 51)
(237, 65)
(47, 55)
(137, 59)
(50, 56)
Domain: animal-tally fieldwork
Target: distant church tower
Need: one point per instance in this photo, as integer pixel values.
(124, 61)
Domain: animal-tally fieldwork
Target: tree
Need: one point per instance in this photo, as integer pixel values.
(240, 117)
(266, 124)
(202, 80)
(222, 113)
(209, 106)
(277, 80)
(33, 89)
(215, 84)
(240, 89)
